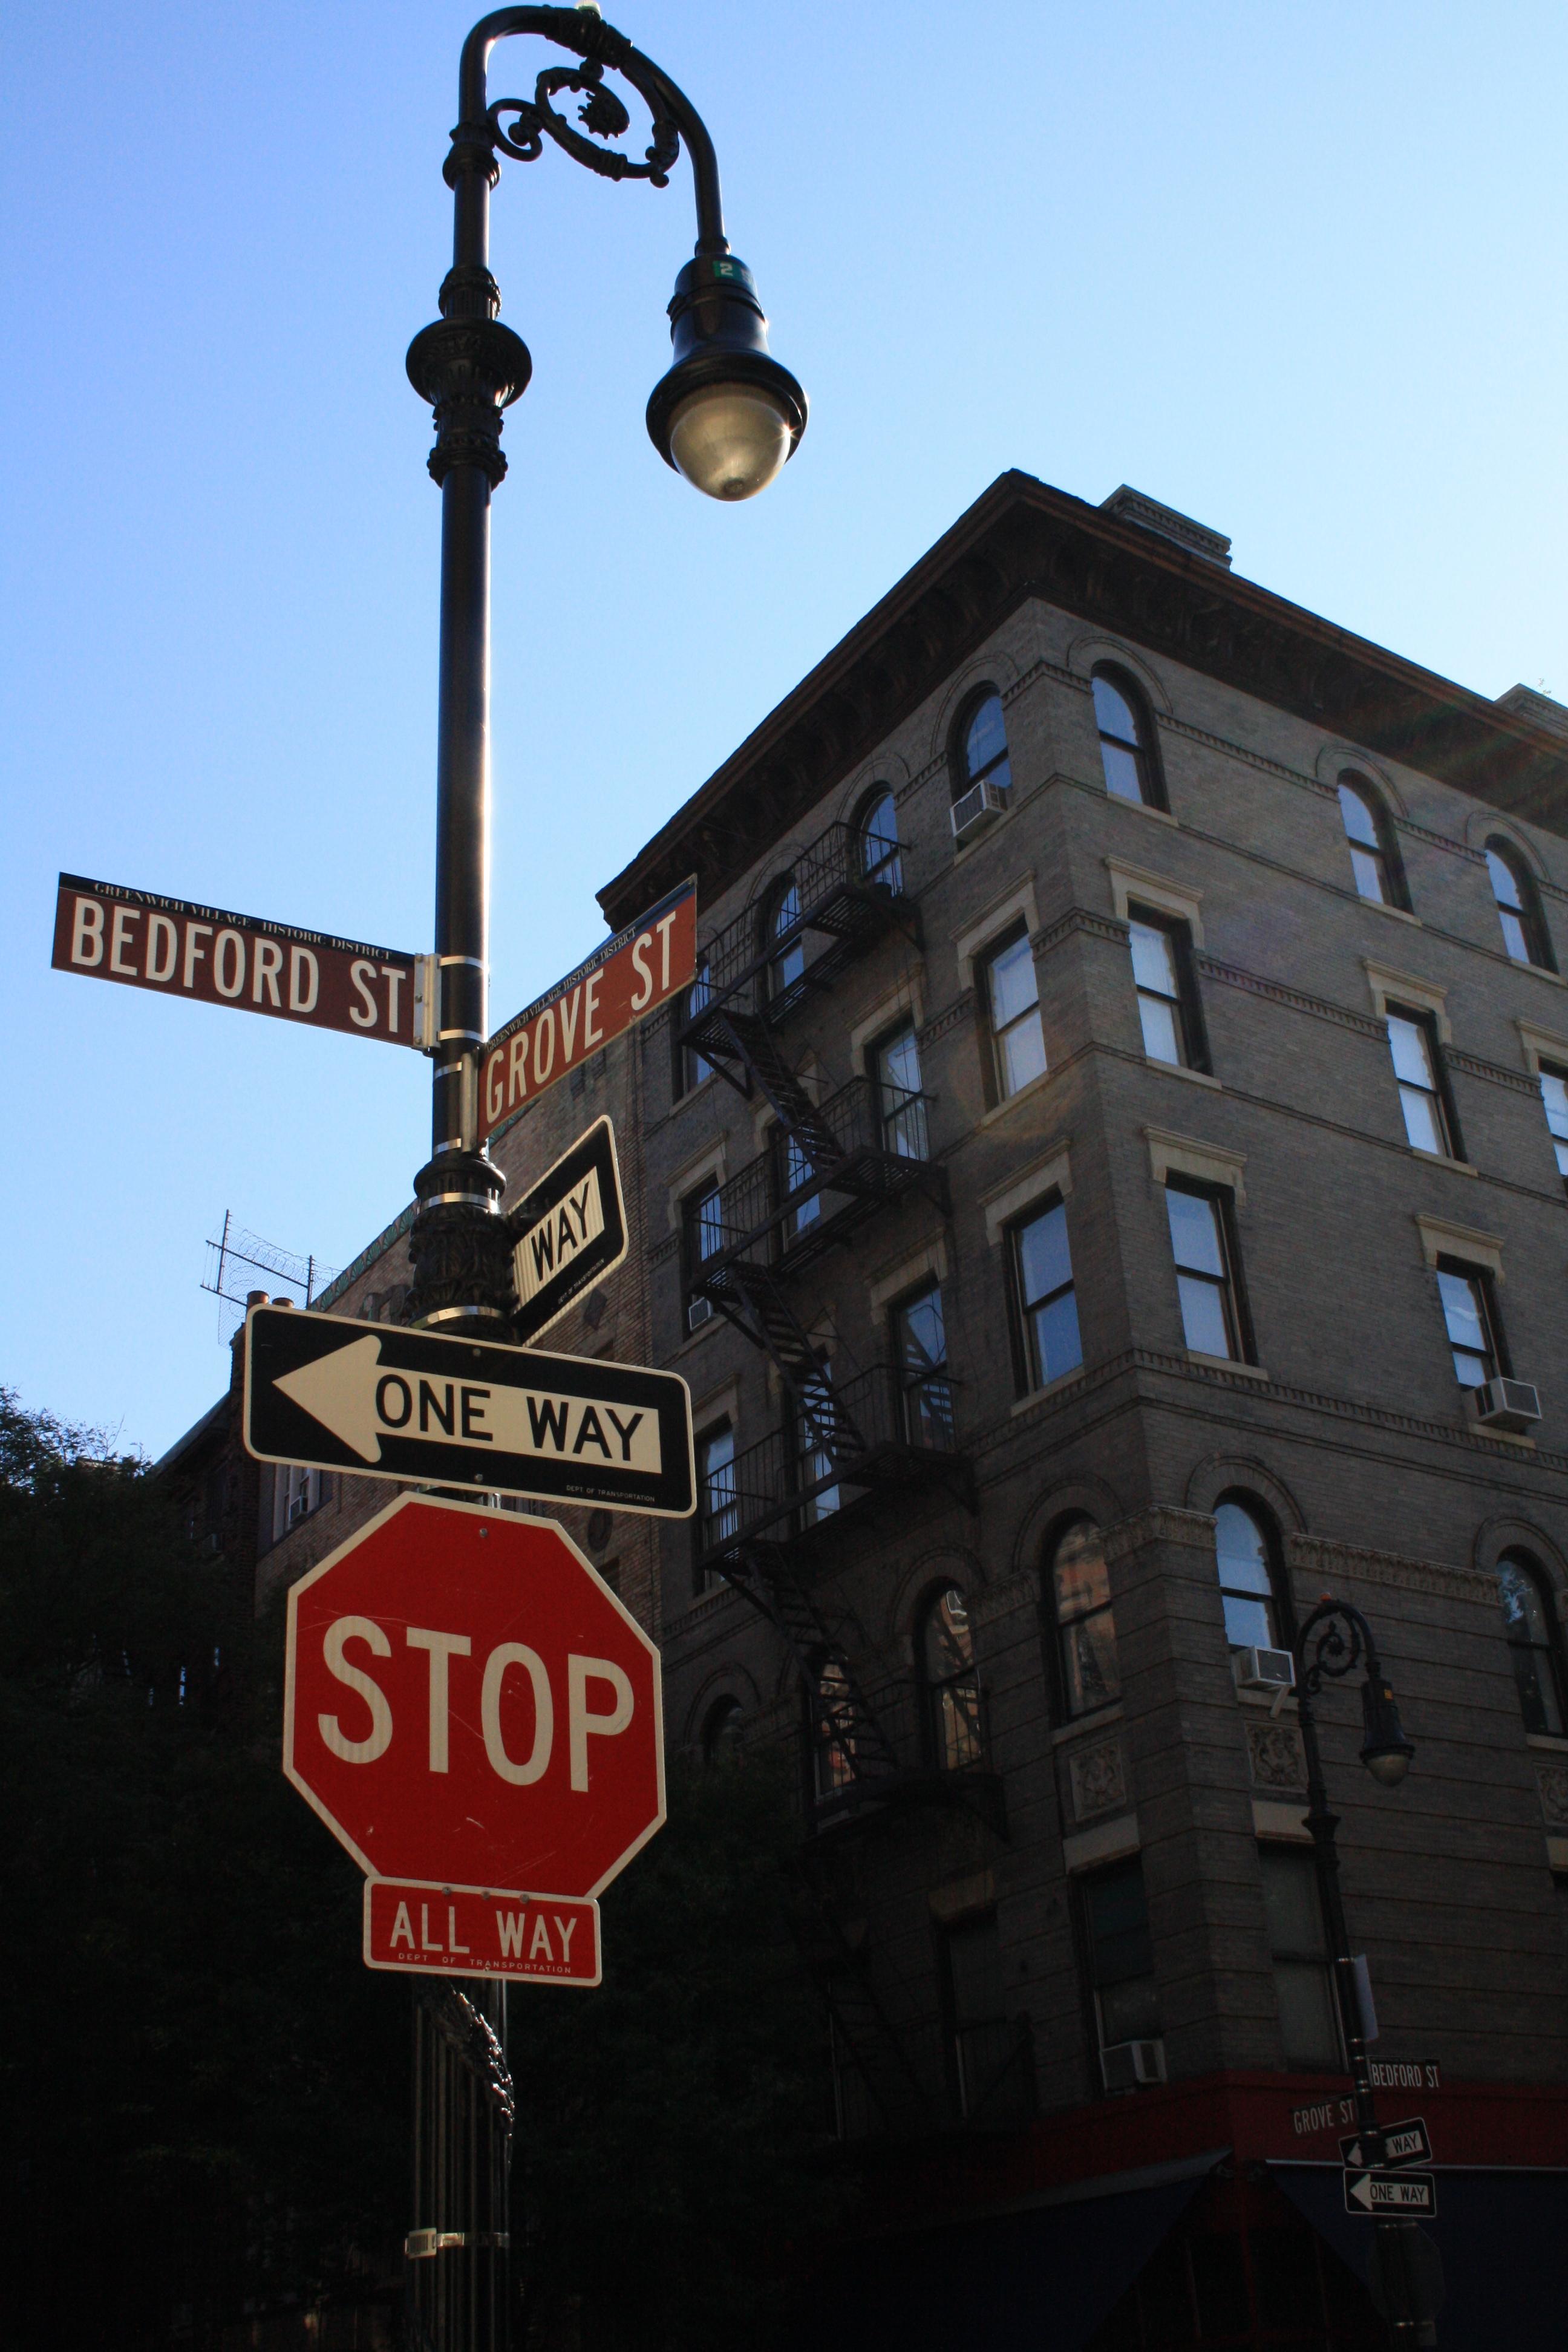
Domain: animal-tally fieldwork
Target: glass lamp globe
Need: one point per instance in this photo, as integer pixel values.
(1387, 1766)
(730, 440)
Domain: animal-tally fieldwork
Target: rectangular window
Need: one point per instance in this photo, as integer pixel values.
(982, 2038)
(813, 1426)
(1012, 1011)
(1469, 1311)
(295, 1493)
(1120, 1954)
(1206, 1270)
(716, 1473)
(920, 1357)
(1048, 1308)
(1555, 1094)
(1167, 991)
(1429, 1119)
(901, 1106)
(795, 1170)
(704, 1228)
(1296, 1946)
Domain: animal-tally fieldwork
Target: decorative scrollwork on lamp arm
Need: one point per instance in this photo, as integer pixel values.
(602, 113)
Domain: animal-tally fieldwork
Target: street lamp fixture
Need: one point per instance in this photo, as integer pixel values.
(727, 415)
(1335, 1640)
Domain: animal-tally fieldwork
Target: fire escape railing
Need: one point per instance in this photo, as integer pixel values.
(883, 1427)
(867, 1145)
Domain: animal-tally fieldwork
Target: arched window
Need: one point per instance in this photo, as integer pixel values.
(1518, 909)
(982, 746)
(1245, 1579)
(1126, 740)
(1086, 1630)
(879, 828)
(788, 962)
(831, 1729)
(1532, 1642)
(951, 1685)
(1373, 859)
(723, 1730)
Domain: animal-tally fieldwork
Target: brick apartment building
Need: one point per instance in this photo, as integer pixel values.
(1113, 1158)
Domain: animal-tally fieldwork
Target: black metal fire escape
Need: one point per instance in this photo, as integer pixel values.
(830, 1166)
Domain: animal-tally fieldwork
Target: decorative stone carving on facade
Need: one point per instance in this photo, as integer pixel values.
(1162, 1523)
(1552, 1781)
(1319, 1558)
(1098, 1779)
(1277, 1757)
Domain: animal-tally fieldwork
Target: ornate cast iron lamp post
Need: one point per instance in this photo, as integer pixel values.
(727, 415)
(1335, 1640)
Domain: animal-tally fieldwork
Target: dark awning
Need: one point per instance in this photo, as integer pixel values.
(1047, 2271)
(1502, 2233)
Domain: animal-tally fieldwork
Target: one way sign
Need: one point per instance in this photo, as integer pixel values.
(323, 1392)
(569, 1229)
(1412, 2195)
(1404, 2143)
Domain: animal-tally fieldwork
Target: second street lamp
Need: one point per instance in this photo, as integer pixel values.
(728, 416)
(1335, 1640)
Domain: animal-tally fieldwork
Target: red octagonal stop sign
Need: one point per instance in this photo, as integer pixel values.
(467, 1703)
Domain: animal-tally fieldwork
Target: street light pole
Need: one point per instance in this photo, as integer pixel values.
(728, 416)
(1332, 1643)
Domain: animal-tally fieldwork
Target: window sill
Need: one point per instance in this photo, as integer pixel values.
(1143, 808)
(1400, 914)
(1000, 1110)
(1269, 1703)
(1442, 1160)
(1227, 1364)
(695, 1339)
(1185, 1070)
(1081, 1723)
(1502, 1436)
(1038, 1396)
(1547, 1740)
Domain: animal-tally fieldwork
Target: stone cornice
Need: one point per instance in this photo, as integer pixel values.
(1321, 1558)
(1023, 538)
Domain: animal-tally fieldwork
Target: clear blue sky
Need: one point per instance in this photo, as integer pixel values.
(1300, 272)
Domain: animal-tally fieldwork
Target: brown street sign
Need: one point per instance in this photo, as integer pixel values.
(622, 982)
(144, 941)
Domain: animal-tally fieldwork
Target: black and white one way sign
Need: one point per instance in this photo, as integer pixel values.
(569, 1229)
(323, 1392)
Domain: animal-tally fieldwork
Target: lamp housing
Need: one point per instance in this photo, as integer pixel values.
(1384, 1749)
(728, 415)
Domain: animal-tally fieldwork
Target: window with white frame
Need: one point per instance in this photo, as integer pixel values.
(1012, 998)
(1046, 1301)
(1429, 1124)
(1555, 1099)
(1212, 1311)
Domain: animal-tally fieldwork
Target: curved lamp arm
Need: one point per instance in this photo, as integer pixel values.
(598, 45)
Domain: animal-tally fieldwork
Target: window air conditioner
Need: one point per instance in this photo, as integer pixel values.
(976, 810)
(1126, 2064)
(698, 1313)
(1269, 1670)
(1505, 1404)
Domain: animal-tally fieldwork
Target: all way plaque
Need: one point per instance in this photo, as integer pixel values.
(323, 1392)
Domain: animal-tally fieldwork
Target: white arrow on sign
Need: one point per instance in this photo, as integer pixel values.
(349, 1394)
(1391, 2193)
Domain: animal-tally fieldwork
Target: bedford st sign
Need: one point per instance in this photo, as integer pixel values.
(323, 1392)
(140, 939)
(621, 983)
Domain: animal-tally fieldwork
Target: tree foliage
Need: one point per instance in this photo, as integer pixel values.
(201, 2092)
